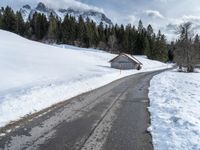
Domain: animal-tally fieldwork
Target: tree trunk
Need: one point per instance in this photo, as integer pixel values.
(190, 68)
(180, 68)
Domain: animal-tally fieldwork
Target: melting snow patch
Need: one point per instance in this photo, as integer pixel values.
(175, 108)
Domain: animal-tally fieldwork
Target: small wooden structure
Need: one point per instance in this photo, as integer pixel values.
(124, 62)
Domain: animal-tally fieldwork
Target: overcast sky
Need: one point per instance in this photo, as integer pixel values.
(162, 14)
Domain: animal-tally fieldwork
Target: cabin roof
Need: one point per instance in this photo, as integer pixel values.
(132, 58)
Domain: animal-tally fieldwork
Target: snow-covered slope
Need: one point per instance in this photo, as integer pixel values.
(35, 76)
(175, 111)
(97, 17)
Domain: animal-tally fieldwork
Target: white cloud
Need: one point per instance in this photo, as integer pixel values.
(71, 3)
(132, 19)
(163, 1)
(195, 20)
(154, 14)
(191, 18)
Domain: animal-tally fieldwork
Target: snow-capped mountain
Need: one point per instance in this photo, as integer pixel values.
(97, 17)
(25, 11)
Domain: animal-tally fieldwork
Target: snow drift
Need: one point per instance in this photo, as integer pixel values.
(35, 76)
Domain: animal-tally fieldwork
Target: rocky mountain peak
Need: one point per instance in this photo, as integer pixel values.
(26, 7)
(41, 7)
(62, 10)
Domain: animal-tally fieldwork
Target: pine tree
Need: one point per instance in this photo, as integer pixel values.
(95, 34)
(1, 18)
(43, 26)
(90, 32)
(112, 42)
(150, 31)
(82, 33)
(125, 43)
(121, 35)
(150, 42)
(147, 50)
(163, 49)
(8, 20)
(39, 25)
(28, 30)
(140, 27)
(160, 48)
(132, 40)
(196, 46)
(52, 34)
(33, 25)
(73, 29)
(20, 26)
(171, 49)
(65, 30)
(101, 32)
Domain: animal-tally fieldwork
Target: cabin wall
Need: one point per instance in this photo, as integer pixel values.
(122, 66)
(123, 63)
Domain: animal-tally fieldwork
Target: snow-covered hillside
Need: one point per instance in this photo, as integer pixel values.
(175, 108)
(35, 76)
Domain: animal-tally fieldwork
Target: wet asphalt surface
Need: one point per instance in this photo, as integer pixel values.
(113, 117)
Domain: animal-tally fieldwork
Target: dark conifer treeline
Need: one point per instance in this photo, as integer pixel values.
(85, 33)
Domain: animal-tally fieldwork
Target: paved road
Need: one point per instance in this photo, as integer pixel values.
(113, 117)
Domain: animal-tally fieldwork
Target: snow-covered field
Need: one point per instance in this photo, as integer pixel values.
(175, 111)
(35, 76)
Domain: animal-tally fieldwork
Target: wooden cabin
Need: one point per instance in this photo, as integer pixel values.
(125, 62)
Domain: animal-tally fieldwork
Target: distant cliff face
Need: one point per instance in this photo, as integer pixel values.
(95, 16)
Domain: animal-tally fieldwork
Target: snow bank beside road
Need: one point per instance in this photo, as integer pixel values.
(35, 76)
(175, 111)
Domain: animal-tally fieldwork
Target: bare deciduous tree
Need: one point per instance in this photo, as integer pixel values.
(187, 48)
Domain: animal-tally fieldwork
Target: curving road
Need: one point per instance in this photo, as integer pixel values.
(113, 117)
